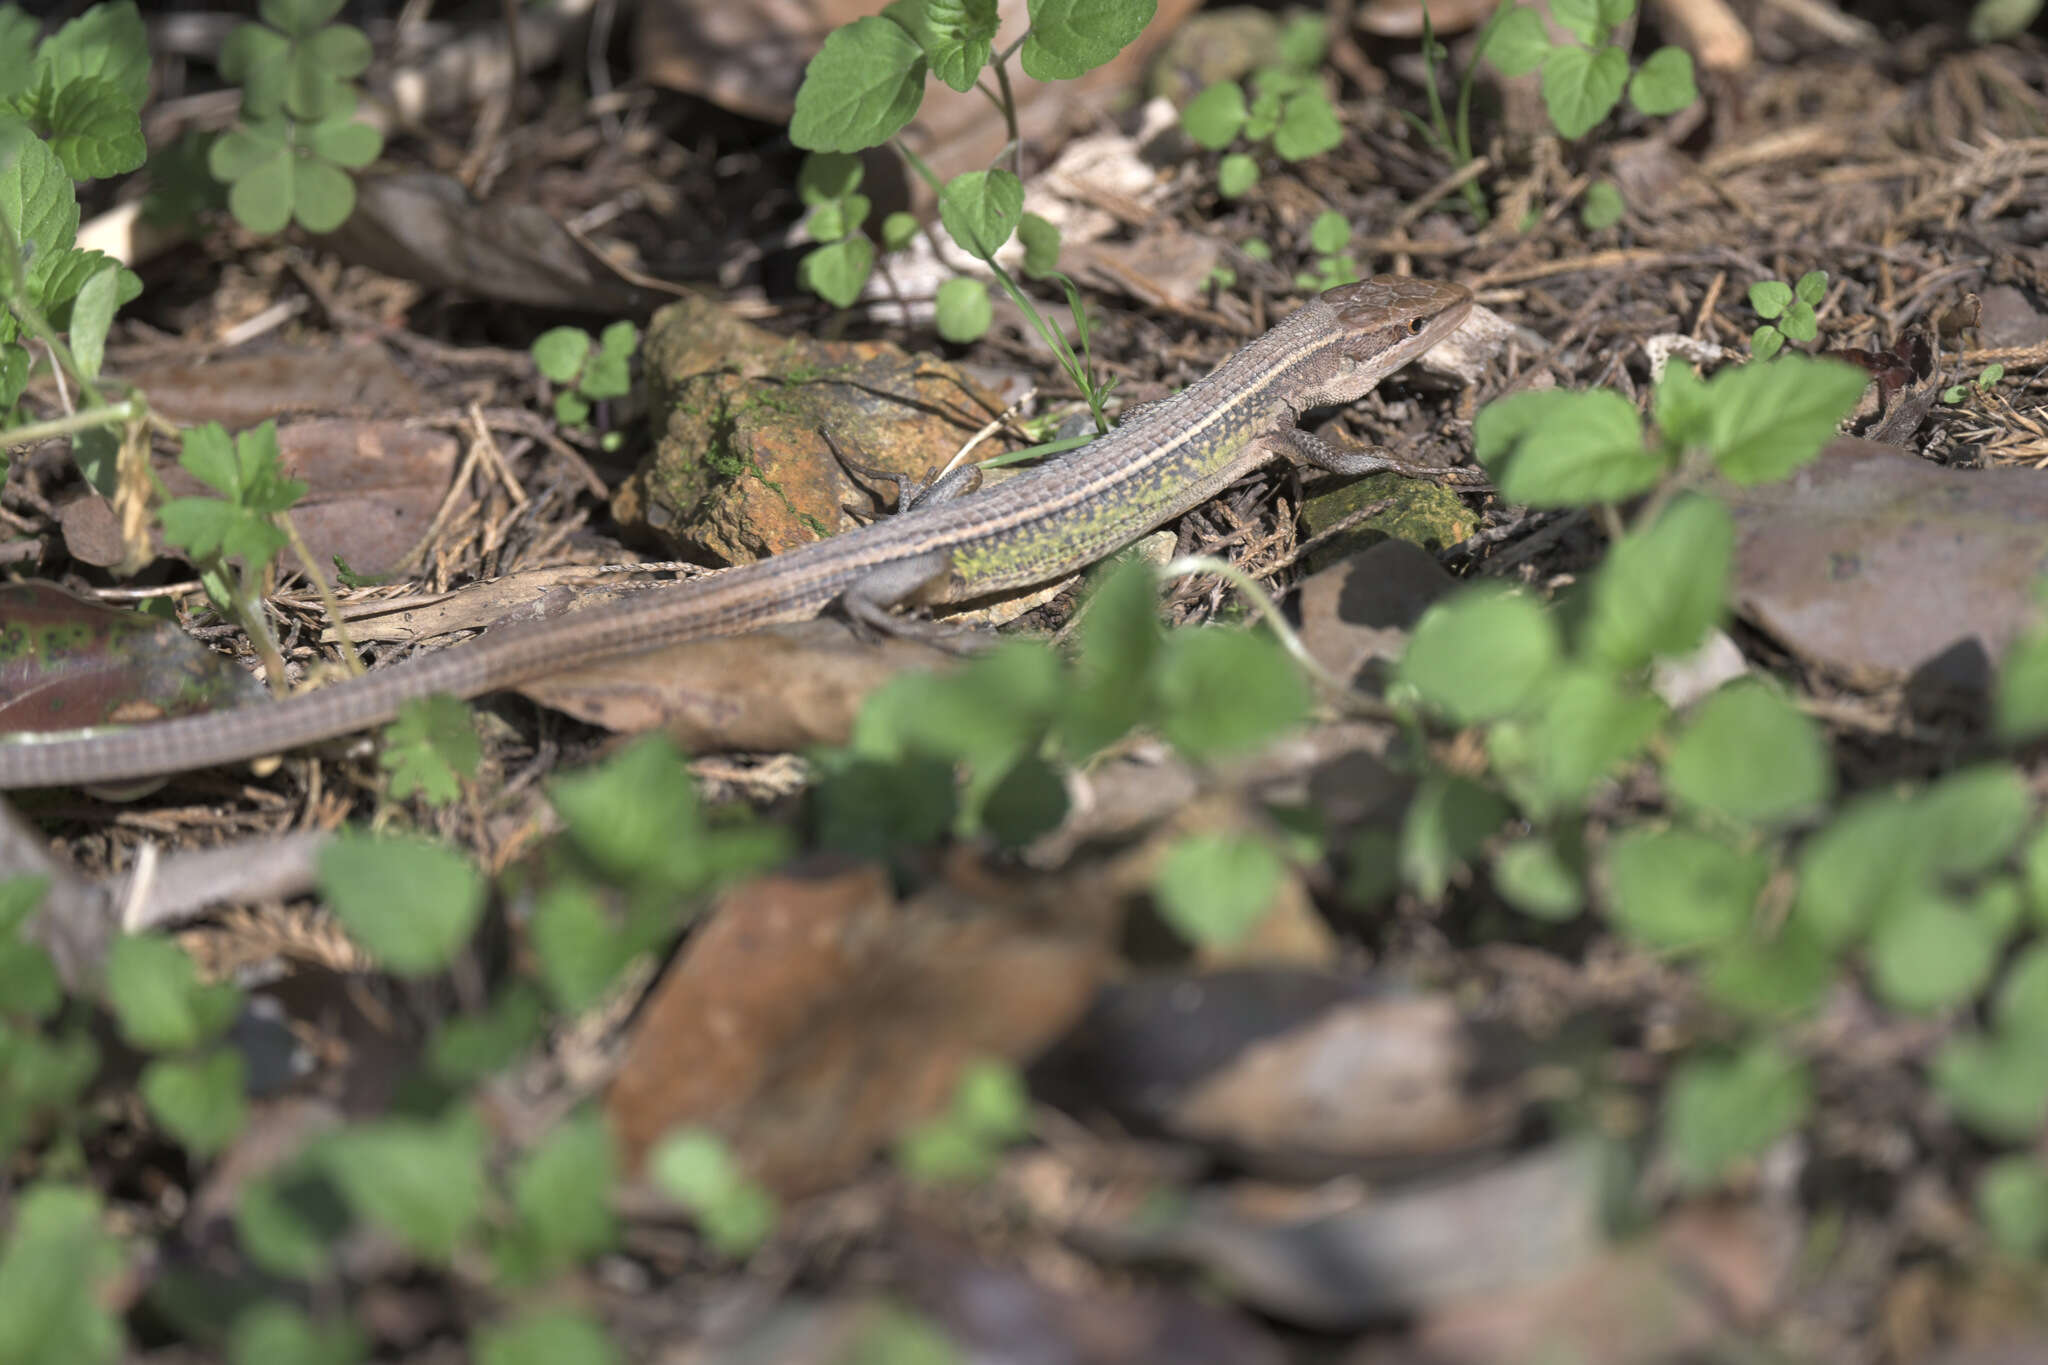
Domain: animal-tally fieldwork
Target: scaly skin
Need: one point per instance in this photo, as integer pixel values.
(1167, 458)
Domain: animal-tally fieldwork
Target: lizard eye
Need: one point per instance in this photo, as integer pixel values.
(1414, 326)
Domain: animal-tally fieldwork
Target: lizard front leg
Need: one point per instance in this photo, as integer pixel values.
(1307, 448)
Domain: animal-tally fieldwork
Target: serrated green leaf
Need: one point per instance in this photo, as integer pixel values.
(1482, 655)
(1213, 888)
(106, 42)
(1556, 448)
(980, 209)
(1447, 825)
(1674, 888)
(421, 1180)
(198, 1100)
(1720, 1111)
(1070, 38)
(19, 34)
(36, 201)
(1664, 587)
(430, 749)
(93, 129)
(157, 998)
(411, 903)
(1768, 420)
(861, 88)
(1748, 755)
(92, 314)
(1223, 691)
(957, 35)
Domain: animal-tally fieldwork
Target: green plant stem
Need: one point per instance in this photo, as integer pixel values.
(328, 600)
(1338, 689)
(124, 411)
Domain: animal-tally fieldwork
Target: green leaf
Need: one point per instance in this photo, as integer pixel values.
(58, 1273)
(1776, 979)
(1928, 954)
(981, 209)
(1768, 420)
(469, 1047)
(106, 42)
(1330, 233)
(610, 372)
(1799, 322)
(838, 272)
(345, 142)
(279, 1334)
(1972, 819)
(1447, 824)
(1224, 692)
(1213, 888)
(298, 18)
(562, 1190)
(19, 34)
(962, 311)
(29, 985)
(289, 1222)
(1603, 208)
(1569, 448)
(1535, 879)
(422, 1181)
(1586, 726)
(92, 314)
(2023, 995)
(1870, 858)
(156, 996)
(2035, 860)
(1663, 84)
(581, 952)
(411, 903)
(1120, 647)
(1069, 38)
(1580, 88)
(1812, 288)
(1481, 655)
(1674, 888)
(860, 90)
(636, 817)
(1998, 1086)
(37, 202)
(559, 353)
(1770, 297)
(1679, 407)
(1719, 1112)
(547, 1336)
(1236, 174)
(1766, 341)
(735, 1213)
(1748, 755)
(1041, 242)
(957, 38)
(259, 60)
(430, 748)
(2012, 1203)
(1308, 126)
(899, 227)
(199, 1101)
(93, 129)
(1214, 117)
(261, 198)
(1519, 43)
(321, 65)
(1663, 588)
(323, 196)
(1582, 18)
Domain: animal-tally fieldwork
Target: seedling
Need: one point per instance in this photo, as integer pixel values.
(1987, 379)
(1789, 310)
(1288, 110)
(587, 374)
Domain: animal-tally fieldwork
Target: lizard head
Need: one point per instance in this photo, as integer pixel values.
(1378, 325)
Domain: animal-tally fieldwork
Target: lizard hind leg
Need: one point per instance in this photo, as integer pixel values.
(1307, 448)
(912, 492)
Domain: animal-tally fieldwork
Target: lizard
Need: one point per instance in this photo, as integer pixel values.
(1164, 459)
